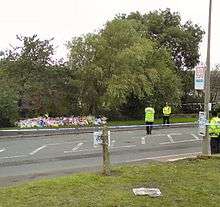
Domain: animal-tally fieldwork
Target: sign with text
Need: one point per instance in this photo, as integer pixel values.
(202, 123)
(97, 139)
(200, 77)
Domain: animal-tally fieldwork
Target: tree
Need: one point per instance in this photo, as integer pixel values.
(8, 102)
(182, 40)
(166, 28)
(215, 84)
(116, 63)
(38, 80)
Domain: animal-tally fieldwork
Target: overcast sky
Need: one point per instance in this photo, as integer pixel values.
(64, 19)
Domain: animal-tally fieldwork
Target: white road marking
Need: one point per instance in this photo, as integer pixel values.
(60, 143)
(170, 138)
(98, 149)
(112, 143)
(164, 156)
(197, 138)
(75, 148)
(3, 149)
(125, 146)
(165, 143)
(38, 149)
(173, 134)
(158, 135)
(151, 135)
(143, 140)
(1, 158)
(188, 140)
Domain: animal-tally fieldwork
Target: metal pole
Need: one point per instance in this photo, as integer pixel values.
(205, 141)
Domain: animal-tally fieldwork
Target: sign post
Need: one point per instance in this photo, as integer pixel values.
(105, 145)
(102, 137)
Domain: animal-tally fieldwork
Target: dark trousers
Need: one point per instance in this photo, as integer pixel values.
(166, 119)
(215, 145)
(149, 127)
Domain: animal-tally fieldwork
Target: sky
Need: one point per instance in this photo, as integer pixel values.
(65, 19)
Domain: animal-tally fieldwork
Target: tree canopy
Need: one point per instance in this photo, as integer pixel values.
(167, 29)
(119, 62)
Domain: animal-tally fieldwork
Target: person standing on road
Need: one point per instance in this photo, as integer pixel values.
(149, 118)
(166, 114)
(214, 132)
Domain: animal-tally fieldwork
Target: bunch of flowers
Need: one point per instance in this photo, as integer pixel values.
(47, 121)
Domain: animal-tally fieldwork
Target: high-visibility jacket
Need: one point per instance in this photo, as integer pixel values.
(149, 114)
(214, 127)
(166, 110)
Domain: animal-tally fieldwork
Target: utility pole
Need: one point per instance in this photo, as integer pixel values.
(205, 141)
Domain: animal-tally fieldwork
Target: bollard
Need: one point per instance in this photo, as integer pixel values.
(105, 148)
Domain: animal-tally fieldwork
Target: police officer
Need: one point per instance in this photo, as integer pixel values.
(166, 114)
(149, 118)
(214, 132)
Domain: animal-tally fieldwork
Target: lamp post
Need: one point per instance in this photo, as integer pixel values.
(205, 141)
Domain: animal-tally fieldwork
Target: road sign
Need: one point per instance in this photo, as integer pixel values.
(200, 77)
(202, 123)
(97, 140)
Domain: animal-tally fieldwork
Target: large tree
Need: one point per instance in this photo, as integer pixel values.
(182, 39)
(120, 62)
(38, 80)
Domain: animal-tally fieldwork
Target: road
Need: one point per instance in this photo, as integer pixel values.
(34, 157)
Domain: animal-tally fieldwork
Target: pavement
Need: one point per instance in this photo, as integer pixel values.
(27, 158)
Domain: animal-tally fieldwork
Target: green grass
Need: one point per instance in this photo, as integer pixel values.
(193, 183)
(157, 121)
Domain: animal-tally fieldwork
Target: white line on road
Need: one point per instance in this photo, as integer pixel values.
(187, 140)
(38, 149)
(75, 148)
(165, 156)
(170, 138)
(98, 149)
(157, 135)
(197, 138)
(173, 134)
(126, 146)
(165, 143)
(143, 140)
(60, 143)
(152, 135)
(2, 150)
(1, 158)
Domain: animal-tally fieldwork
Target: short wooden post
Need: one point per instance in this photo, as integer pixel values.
(105, 147)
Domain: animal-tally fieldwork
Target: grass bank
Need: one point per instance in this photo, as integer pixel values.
(191, 183)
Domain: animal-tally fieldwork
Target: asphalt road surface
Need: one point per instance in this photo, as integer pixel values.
(35, 157)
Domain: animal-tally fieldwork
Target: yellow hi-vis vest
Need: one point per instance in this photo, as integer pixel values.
(149, 114)
(214, 127)
(166, 110)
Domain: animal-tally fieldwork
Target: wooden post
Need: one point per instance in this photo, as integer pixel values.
(106, 157)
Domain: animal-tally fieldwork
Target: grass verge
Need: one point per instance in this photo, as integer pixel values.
(157, 121)
(192, 182)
